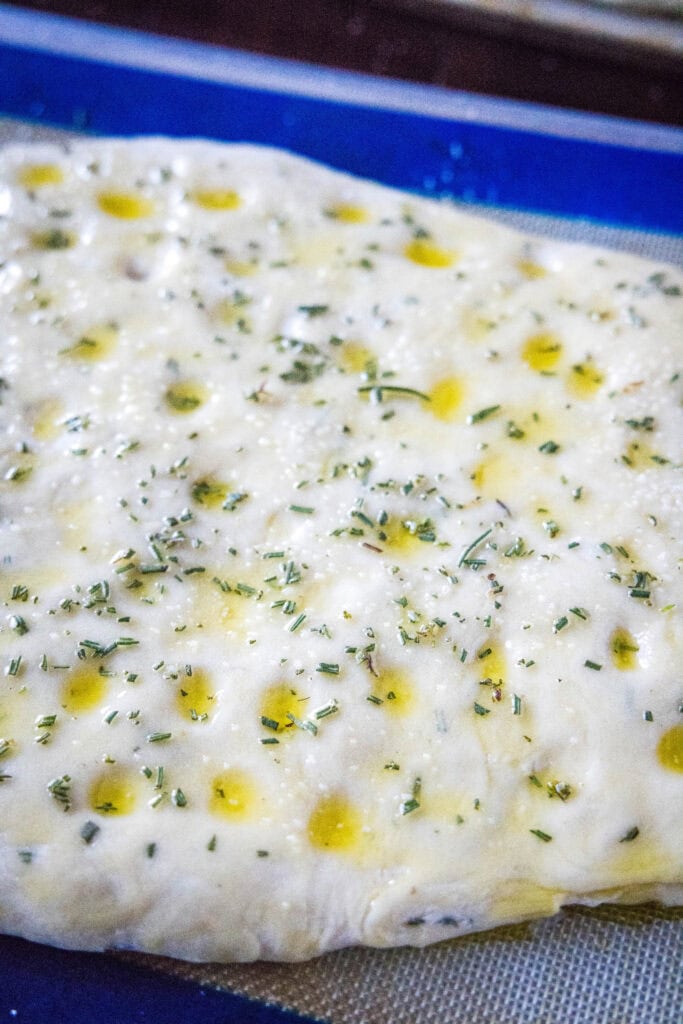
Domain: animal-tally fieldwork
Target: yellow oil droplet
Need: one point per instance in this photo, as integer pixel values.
(83, 689)
(217, 199)
(47, 418)
(348, 213)
(446, 397)
(531, 270)
(37, 175)
(477, 325)
(196, 696)
(76, 522)
(534, 428)
(115, 791)
(396, 690)
(640, 456)
(428, 254)
(210, 492)
(233, 314)
(279, 701)
(496, 476)
(395, 534)
(233, 794)
(491, 663)
(125, 205)
(185, 396)
(584, 380)
(215, 605)
(35, 579)
(448, 806)
(241, 268)
(623, 648)
(670, 749)
(542, 352)
(144, 586)
(16, 709)
(324, 248)
(53, 238)
(334, 824)
(354, 357)
(95, 344)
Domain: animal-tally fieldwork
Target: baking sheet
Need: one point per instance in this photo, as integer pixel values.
(651, 28)
(566, 175)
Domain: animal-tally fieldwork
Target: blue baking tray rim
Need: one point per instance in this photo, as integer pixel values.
(101, 80)
(39, 985)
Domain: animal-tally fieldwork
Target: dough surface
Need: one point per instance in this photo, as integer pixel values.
(339, 560)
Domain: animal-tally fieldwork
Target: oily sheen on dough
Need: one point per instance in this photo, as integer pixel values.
(339, 560)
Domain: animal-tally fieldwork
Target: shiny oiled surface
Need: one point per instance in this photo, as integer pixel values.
(359, 566)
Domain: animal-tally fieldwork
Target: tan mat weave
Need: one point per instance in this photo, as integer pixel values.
(612, 965)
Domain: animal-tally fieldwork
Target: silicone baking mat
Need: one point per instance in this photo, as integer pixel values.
(562, 174)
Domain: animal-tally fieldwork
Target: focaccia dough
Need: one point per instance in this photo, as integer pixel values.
(339, 560)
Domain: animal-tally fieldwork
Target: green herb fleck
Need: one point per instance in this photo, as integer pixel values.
(88, 831)
(482, 414)
(629, 836)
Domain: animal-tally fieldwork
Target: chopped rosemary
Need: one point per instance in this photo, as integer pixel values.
(305, 725)
(482, 414)
(14, 665)
(543, 836)
(413, 802)
(470, 548)
(629, 836)
(331, 708)
(60, 788)
(377, 392)
(297, 622)
(88, 831)
(312, 311)
(45, 721)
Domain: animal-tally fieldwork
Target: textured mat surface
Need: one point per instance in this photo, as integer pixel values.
(611, 965)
